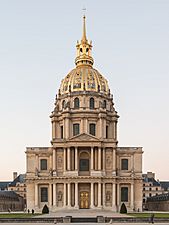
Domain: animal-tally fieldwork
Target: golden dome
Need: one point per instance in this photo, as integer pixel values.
(84, 77)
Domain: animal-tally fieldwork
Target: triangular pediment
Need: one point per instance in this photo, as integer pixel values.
(84, 137)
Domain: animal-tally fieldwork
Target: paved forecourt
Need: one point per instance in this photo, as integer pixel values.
(83, 223)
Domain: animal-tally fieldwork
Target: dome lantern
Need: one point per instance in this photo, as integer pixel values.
(84, 49)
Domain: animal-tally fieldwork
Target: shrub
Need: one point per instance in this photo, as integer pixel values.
(123, 208)
(45, 209)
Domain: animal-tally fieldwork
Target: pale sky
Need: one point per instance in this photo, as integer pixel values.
(130, 48)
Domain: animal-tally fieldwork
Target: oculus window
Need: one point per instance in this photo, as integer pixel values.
(92, 129)
(44, 194)
(76, 129)
(43, 164)
(124, 194)
(124, 164)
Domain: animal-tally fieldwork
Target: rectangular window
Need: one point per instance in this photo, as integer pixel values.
(84, 165)
(92, 129)
(76, 129)
(124, 194)
(43, 164)
(44, 194)
(124, 164)
(61, 132)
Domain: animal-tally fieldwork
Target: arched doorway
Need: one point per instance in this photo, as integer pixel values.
(84, 200)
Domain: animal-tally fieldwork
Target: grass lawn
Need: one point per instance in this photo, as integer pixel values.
(17, 215)
(147, 215)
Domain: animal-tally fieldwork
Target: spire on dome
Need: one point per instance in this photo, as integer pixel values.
(84, 39)
(84, 49)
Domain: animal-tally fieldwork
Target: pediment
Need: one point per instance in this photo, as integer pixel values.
(84, 137)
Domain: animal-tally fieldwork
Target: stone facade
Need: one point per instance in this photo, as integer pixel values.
(158, 203)
(84, 167)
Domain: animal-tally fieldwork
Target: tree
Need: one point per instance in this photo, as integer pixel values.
(45, 209)
(123, 208)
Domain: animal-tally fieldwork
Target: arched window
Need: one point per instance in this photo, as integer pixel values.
(91, 103)
(63, 104)
(76, 103)
(104, 104)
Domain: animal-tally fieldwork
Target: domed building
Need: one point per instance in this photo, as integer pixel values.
(84, 168)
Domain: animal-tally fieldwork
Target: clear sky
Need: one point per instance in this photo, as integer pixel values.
(130, 48)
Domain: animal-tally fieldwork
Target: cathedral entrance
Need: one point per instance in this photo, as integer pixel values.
(84, 200)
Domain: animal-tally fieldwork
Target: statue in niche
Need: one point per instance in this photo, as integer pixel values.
(108, 161)
(36, 171)
(108, 196)
(50, 172)
(60, 194)
(60, 161)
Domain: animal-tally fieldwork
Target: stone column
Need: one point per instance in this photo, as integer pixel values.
(69, 195)
(64, 195)
(96, 159)
(50, 161)
(113, 195)
(118, 196)
(86, 125)
(76, 195)
(81, 127)
(68, 158)
(92, 155)
(99, 158)
(54, 194)
(36, 195)
(132, 197)
(104, 159)
(50, 195)
(116, 130)
(54, 159)
(92, 196)
(64, 158)
(101, 129)
(66, 127)
(99, 195)
(76, 158)
(114, 161)
(104, 195)
(36, 162)
(53, 130)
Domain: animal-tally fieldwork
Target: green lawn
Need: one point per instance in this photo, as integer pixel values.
(17, 215)
(147, 215)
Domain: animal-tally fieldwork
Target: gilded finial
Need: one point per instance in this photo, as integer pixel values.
(84, 29)
(84, 48)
